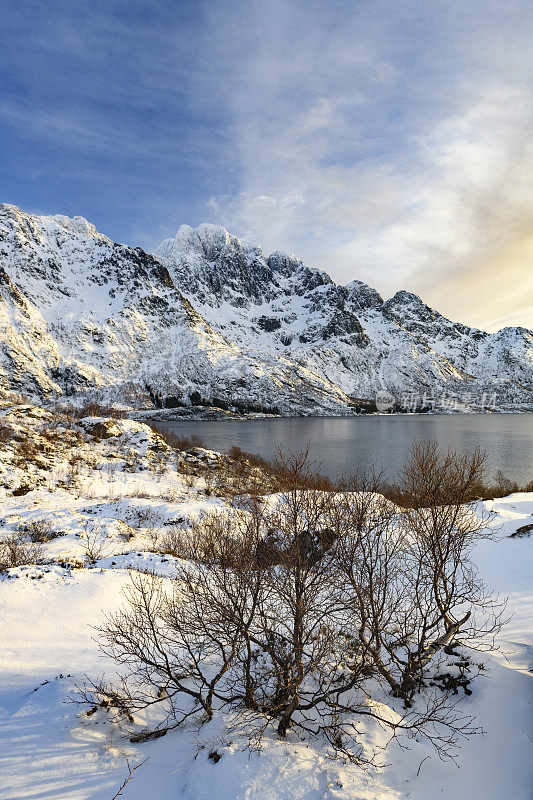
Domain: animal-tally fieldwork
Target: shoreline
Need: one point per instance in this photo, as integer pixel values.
(215, 415)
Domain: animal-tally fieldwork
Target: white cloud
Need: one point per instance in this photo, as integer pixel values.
(380, 140)
(362, 163)
(472, 237)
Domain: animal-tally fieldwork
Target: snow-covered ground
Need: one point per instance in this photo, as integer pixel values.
(124, 494)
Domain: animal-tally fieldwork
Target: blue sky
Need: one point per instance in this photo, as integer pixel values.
(385, 141)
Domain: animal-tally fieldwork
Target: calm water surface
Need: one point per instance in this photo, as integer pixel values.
(342, 445)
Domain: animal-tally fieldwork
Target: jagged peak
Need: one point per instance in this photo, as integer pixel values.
(207, 240)
(77, 225)
(512, 331)
(49, 222)
(284, 262)
(404, 297)
(363, 295)
(211, 240)
(205, 233)
(286, 256)
(10, 208)
(287, 263)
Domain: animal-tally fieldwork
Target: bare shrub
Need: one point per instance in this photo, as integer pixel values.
(153, 534)
(92, 409)
(208, 541)
(176, 441)
(482, 488)
(6, 434)
(38, 531)
(410, 582)
(242, 457)
(505, 485)
(160, 462)
(171, 543)
(25, 451)
(300, 611)
(450, 602)
(211, 481)
(145, 517)
(73, 471)
(94, 544)
(16, 551)
(189, 479)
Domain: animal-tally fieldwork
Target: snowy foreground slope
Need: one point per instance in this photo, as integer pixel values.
(111, 481)
(208, 319)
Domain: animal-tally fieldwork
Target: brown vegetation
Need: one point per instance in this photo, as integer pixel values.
(243, 472)
(17, 549)
(92, 410)
(299, 611)
(38, 531)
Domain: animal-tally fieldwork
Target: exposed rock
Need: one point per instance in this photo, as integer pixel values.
(210, 320)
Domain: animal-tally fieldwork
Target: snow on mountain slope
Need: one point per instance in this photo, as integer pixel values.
(209, 317)
(348, 334)
(505, 354)
(81, 313)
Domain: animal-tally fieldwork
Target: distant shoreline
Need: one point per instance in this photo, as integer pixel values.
(215, 414)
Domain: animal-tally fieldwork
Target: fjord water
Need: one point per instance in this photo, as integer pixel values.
(341, 445)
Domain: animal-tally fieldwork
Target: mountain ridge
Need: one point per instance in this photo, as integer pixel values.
(209, 317)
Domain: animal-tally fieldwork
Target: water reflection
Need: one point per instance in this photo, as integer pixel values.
(342, 445)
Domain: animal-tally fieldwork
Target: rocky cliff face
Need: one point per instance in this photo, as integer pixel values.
(348, 334)
(82, 314)
(210, 318)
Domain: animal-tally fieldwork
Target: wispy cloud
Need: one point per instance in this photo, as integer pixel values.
(403, 170)
(380, 140)
(473, 237)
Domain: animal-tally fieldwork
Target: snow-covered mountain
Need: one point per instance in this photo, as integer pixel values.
(209, 318)
(347, 334)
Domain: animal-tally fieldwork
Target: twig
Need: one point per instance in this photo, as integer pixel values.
(419, 766)
(131, 770)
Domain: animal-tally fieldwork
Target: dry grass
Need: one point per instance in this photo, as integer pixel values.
(92, 410)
